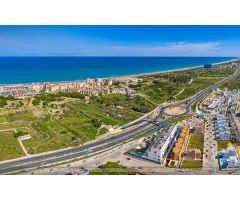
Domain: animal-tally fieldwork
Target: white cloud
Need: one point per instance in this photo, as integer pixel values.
(171, 49)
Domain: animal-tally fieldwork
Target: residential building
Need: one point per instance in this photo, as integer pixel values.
(160, 146)
(228, 159)
(221, 126)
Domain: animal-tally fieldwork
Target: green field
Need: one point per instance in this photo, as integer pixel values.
(231, 85)
(158, 91)
(213, 72)
(2, 119)
(76, 125)
(60, 124)
(123, 108)
(165, 86)
(197, 85)
(187, 164)
(9, 146)
(222, 144)
(196, 142)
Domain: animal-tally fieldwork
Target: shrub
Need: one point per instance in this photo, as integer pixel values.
(19, 133)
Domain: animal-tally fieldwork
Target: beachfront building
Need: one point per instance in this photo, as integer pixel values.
(207, 66)
(117, 90)
(62, 87)
(160, 145)
(109, 82)
(15, 90)
(37, 87)
(88, 87)
(89, 91)
(227, 65)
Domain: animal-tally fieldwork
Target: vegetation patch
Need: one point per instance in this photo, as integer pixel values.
(158, 91)
(112, 168)
(222, 144)
(9, 146)
(187, 164)
(73, 122)
(175, 120)
(197, 85)
(164, 86)
(196, 142)
(231, 85)
(3, 100)
(48, 97)
(19, 133)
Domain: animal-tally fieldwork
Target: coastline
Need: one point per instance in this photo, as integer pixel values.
(181, 69)
(121, 76)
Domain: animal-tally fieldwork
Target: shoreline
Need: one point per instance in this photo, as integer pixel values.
(173, 70)
(121, 76)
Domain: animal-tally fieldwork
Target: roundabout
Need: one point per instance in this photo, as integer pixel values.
(174, 110)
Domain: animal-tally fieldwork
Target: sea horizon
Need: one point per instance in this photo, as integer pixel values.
(32, 69)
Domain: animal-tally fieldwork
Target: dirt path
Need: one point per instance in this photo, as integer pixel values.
(9, 129)
(20, 139)
(179, 93)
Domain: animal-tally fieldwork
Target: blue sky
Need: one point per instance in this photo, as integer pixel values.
(120, 40)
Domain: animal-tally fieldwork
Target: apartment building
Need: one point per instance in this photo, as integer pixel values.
(222, 128)
(160, 146)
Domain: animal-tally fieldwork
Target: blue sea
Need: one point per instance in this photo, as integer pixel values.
(53, 69)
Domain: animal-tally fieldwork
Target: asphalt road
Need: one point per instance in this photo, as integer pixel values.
(101, 145)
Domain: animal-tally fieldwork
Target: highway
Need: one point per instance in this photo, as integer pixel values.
(150, 125)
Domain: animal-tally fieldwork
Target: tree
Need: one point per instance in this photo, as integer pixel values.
(73, 138)
(3, 103)
(19, 133)
(96, 123)
(20, 103)
(36, 101)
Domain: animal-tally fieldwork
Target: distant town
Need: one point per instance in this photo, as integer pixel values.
(89, 87)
